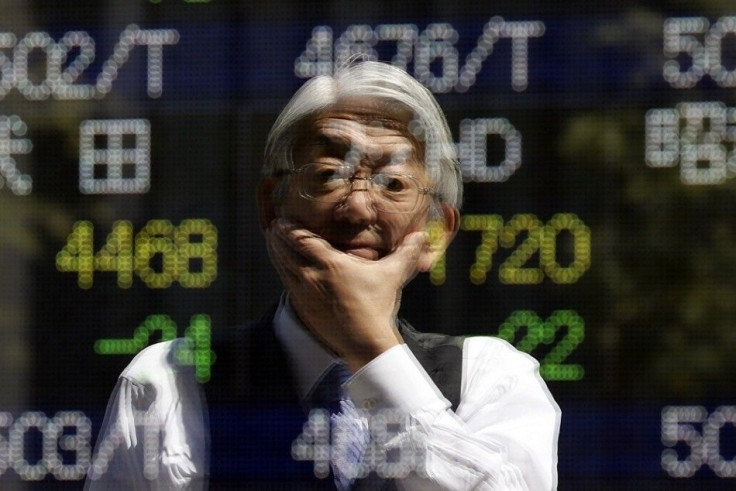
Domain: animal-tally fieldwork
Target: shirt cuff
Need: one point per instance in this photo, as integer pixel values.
(395, 379)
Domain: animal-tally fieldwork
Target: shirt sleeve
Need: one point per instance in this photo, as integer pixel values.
(503, 435)
(153, 436)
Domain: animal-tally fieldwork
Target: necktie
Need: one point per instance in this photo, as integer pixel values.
(327, 392)
(350, 437)
(350, 432)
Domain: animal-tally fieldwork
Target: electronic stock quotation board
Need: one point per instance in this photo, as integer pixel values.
(597, 145)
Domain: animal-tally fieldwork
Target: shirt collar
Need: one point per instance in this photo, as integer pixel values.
(308, 358)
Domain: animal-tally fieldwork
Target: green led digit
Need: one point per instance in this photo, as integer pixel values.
(141, 336)
(551, 366)
(198, 350)
(539, 332)
(534, 330)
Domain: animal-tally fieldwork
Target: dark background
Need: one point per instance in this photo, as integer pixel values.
(657, 301)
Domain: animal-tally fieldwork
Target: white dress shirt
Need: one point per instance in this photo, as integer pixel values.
(503, 435)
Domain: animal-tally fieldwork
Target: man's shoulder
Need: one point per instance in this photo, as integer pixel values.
(429, 340)
(497, 353)
(489, 348)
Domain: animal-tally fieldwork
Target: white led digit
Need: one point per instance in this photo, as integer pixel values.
(678, 39)
(405, 36)
(472, 149)
(32, 41)
(20, 184)
(314, 442)
(677, 427)
(701, 142)
(79, 443)
(316, 59)
(393, 457)
(16, 439)
(731, 139)
(7, 78)
(662, 138)
(356, 40)
(6, 420)
(113, 157)
(714, 49)
(712, 436)
(437, 41)
(63, 80)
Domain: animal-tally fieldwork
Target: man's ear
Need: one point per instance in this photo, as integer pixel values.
(441, 232)
(267, 208)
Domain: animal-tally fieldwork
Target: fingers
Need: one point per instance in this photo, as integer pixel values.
(299, 250)
(309, 245)
(283, 259)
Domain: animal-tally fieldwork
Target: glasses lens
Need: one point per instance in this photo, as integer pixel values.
(325, 182)
(390, 193)
(395, 193)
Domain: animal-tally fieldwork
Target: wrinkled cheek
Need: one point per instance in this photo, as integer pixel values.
(308, 213)
(395, 232)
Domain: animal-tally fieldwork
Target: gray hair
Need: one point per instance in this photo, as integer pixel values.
(372, 80)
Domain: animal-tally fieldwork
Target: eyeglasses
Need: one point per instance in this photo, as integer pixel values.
(332, 183)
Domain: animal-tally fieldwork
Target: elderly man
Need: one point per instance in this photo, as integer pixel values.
(359, 166)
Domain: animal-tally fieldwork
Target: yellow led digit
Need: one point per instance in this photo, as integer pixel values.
(512, 270)
(77, 254)
(437, 272)
(581, 248)
(490, 226)
(117, 253)
(153, 240)
(196, 240)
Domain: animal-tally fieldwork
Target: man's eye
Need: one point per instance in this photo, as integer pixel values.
(327, 175)
(393, 184)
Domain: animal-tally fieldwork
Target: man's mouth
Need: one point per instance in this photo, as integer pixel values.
(360, 250)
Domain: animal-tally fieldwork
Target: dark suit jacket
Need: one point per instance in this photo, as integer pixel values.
(254, 413)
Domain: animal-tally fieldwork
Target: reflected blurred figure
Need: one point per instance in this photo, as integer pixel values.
(360, 172)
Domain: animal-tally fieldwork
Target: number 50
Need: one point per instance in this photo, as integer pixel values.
(678, 426)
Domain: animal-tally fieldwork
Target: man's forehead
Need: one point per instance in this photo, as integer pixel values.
(351, 125)
(367, 113)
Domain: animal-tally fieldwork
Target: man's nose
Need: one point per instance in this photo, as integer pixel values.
(357, 206)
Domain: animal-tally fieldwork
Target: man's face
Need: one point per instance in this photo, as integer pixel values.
(353, 133)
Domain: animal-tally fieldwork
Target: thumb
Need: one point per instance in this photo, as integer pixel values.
(406, 256)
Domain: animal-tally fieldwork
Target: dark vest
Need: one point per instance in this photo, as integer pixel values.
(254, 412)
